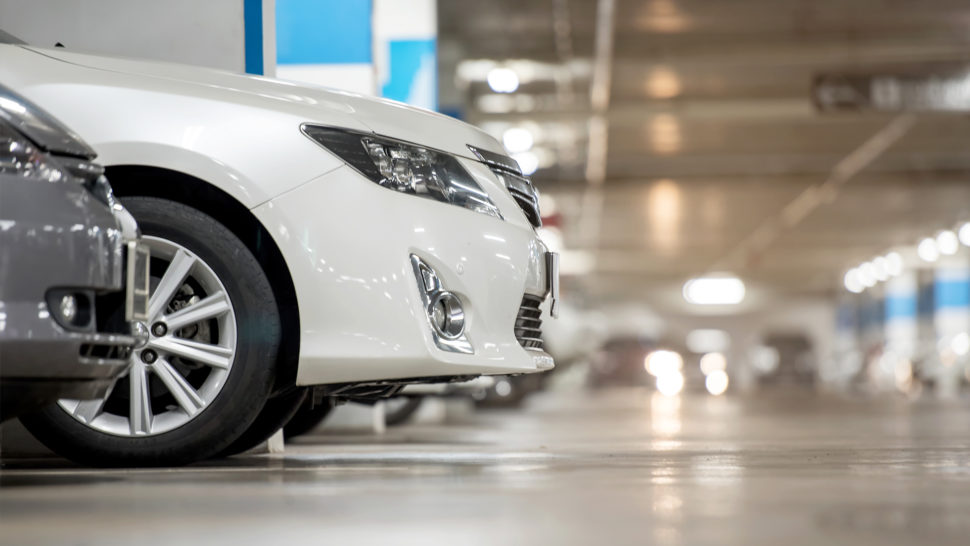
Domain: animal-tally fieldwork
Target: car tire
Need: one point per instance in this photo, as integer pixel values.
(277, 412)
(308, 417)
(223, 363)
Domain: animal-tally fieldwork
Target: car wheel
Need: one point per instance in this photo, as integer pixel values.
(205, 371)
(398, 411)
(275, 414)
(307, 418)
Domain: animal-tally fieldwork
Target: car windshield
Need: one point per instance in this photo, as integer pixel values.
(10, 39)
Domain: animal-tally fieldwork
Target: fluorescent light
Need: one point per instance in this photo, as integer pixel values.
(518, 139)
(867, 274)
(895, 261)
(503, 80)
(965, 234)
(927, 250)
(714, 291)
(852, 282)
(881, 267)
(947, 243)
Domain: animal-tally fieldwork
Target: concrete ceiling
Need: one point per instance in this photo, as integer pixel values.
(710, 132)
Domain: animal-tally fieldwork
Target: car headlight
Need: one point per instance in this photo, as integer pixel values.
(19, 157)
(405, 167)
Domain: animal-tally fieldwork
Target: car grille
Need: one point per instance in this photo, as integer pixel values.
(522, 190)
(528, 324)
(523, 193)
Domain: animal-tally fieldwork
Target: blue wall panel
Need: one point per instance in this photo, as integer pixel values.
(413, 74)
(952, 293)
(323, 31)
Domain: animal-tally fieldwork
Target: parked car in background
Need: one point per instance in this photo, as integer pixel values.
(300, 238)
(67, 298)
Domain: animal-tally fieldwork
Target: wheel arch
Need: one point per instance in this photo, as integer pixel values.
(150, 181)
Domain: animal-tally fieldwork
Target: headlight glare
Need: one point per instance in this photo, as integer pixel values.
(406, 168)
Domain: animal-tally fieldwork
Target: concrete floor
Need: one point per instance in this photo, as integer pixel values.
(623, 467)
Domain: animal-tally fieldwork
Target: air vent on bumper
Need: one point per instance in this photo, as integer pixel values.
(528, 324)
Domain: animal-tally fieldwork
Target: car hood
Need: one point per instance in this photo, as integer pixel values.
(385, 117)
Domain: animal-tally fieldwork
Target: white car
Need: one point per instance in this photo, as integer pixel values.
(299, 237)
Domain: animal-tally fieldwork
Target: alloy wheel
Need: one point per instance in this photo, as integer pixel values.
(183, 365)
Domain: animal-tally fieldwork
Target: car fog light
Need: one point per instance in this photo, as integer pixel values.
(72, 309)
(444, 309)
(68, 307)
(447, 315)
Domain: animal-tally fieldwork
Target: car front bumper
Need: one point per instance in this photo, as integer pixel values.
(57, 236)
(348, 244)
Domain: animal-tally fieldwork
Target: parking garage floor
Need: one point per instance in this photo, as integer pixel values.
(618, 467)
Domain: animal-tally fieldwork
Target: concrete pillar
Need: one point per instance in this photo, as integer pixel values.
(951, 317)
(901, 329)
(841, 367)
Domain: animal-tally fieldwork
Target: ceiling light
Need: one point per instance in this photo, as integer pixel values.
(503, 80)
(662, 362)
(895, 262)
(714, 291)
(947, 243)
(852, 282)
(965, 234)
(527, 161)
(716, 382)
(927, 250)
(670, 384)
(663, 83)
(707, 340)
(867, 275)
(713, 362)
(881, 268)
(961, 344)
(517, 139)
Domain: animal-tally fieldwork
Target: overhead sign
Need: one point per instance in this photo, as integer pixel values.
(926, 92)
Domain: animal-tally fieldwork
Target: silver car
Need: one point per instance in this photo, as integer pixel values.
(72, 274)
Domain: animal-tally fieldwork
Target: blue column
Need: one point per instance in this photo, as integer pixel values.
(253, 30)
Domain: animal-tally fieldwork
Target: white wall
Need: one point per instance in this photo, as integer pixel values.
(200, 32)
